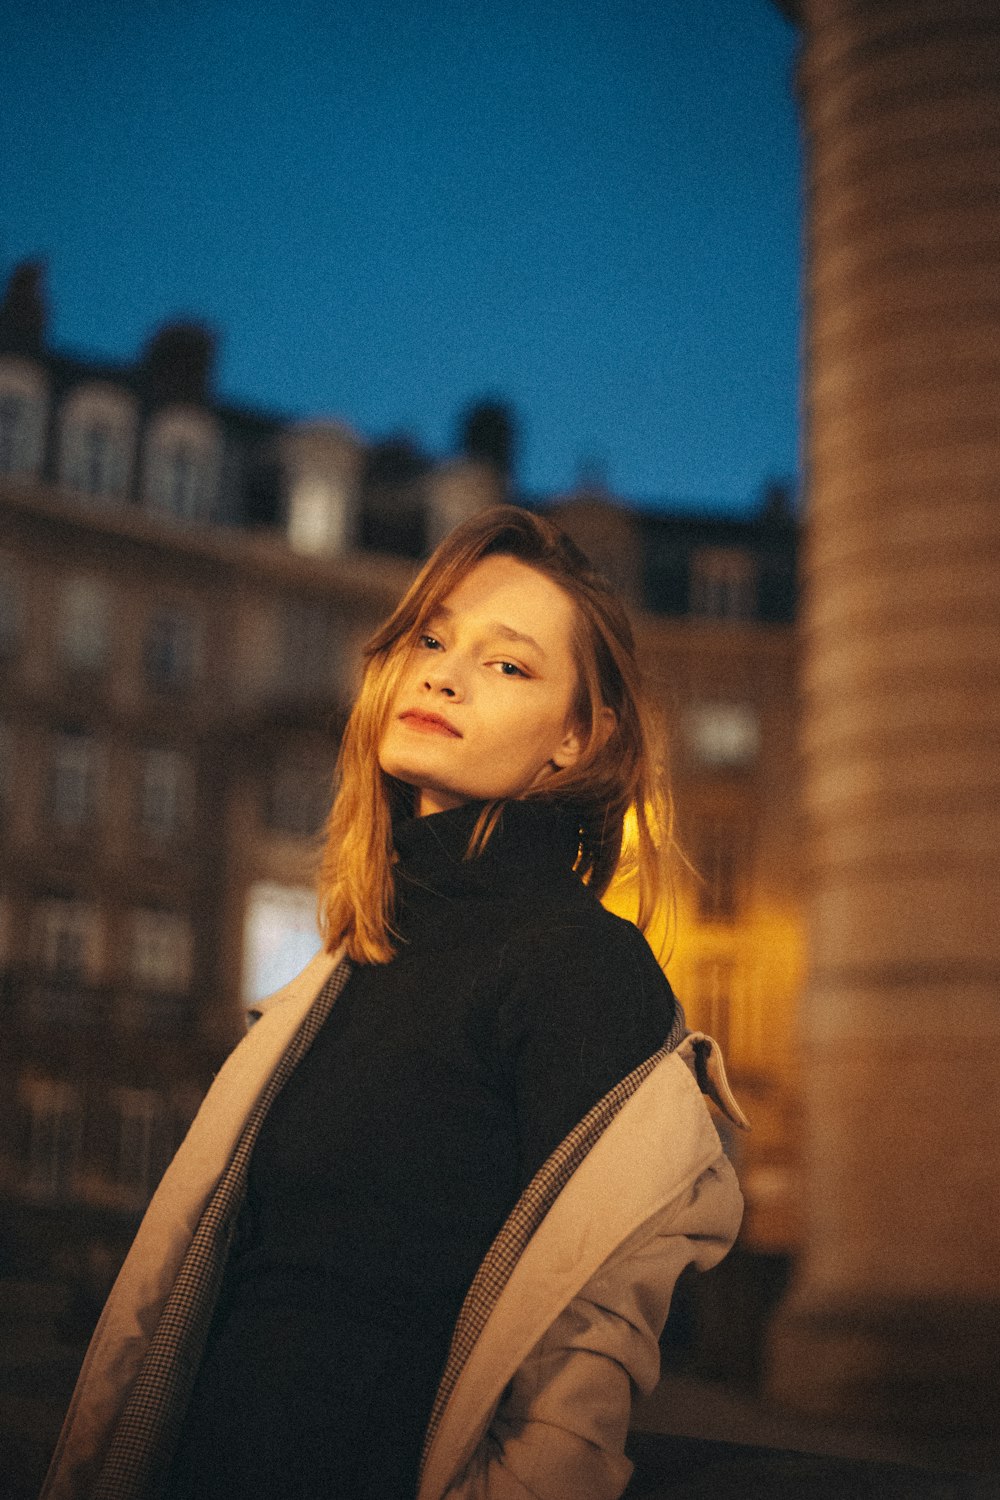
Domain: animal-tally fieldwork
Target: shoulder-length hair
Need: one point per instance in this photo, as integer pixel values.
(617, 772)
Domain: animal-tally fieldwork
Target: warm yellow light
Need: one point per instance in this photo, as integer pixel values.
(622, 895)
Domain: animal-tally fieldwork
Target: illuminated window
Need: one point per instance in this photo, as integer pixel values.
(54, 1136)
(711, 1002)
(182, 465)
(161, 949)
(83, 642)
(164, 794)
(722, 736)
(23, 403)
(721, 864)
(280, 936)
(75, 780)
(723, 584)
(321, 463)
(170, 649)
(97, 442)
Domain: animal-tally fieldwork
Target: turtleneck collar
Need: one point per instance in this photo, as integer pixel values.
(533, 845)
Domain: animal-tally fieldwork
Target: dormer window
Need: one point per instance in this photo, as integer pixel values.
(23, 406)
(723, 584)
(97, 442)
(182, 465)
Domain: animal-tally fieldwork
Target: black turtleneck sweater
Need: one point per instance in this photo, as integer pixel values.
(438, 1085)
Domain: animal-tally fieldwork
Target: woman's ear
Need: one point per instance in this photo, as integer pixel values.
(571, 749)
(607, 723)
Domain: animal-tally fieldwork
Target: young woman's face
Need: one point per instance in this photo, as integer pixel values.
(483, 706)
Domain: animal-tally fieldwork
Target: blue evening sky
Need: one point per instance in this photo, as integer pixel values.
(588, 208)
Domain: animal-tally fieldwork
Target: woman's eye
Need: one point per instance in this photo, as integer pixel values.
(429, 642)
(510, 669)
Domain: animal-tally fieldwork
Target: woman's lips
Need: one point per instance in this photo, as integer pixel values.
(430, 723)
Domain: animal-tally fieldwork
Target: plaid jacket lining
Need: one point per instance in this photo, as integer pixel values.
(147, 1430)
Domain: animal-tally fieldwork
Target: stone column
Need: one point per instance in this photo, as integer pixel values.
(895, 1317)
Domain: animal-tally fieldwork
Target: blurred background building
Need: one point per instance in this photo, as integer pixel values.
(184, 592)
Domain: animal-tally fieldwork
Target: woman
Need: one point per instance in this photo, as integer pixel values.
(422, 1236)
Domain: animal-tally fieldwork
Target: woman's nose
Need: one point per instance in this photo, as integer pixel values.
(443, 678)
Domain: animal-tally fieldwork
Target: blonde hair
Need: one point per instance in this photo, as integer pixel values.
(616, 771)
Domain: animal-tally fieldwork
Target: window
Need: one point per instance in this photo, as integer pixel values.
(141, 1141)
(11, 609)
(321, 466)
(161, 950)
(721, 858)
(74, 791)
(723, 584)
(95, 464)
(97, 442)
(54, 1135)
(68, 937)
(712, 998)
(83, 643)
(182, 465)
(170, 649)
(722, 736)
(23, 403)
(164, 794)
(280, 936)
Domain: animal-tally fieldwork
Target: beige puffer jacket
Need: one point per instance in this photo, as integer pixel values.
(560, 1326)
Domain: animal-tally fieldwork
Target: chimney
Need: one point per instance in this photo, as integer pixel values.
(23, 311)
(178, 363)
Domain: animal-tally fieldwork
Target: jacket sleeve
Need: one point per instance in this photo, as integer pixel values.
(559, 1432)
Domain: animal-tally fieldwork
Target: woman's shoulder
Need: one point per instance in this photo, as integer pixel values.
(582, 1003)
(578, 956)
(580, 931)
